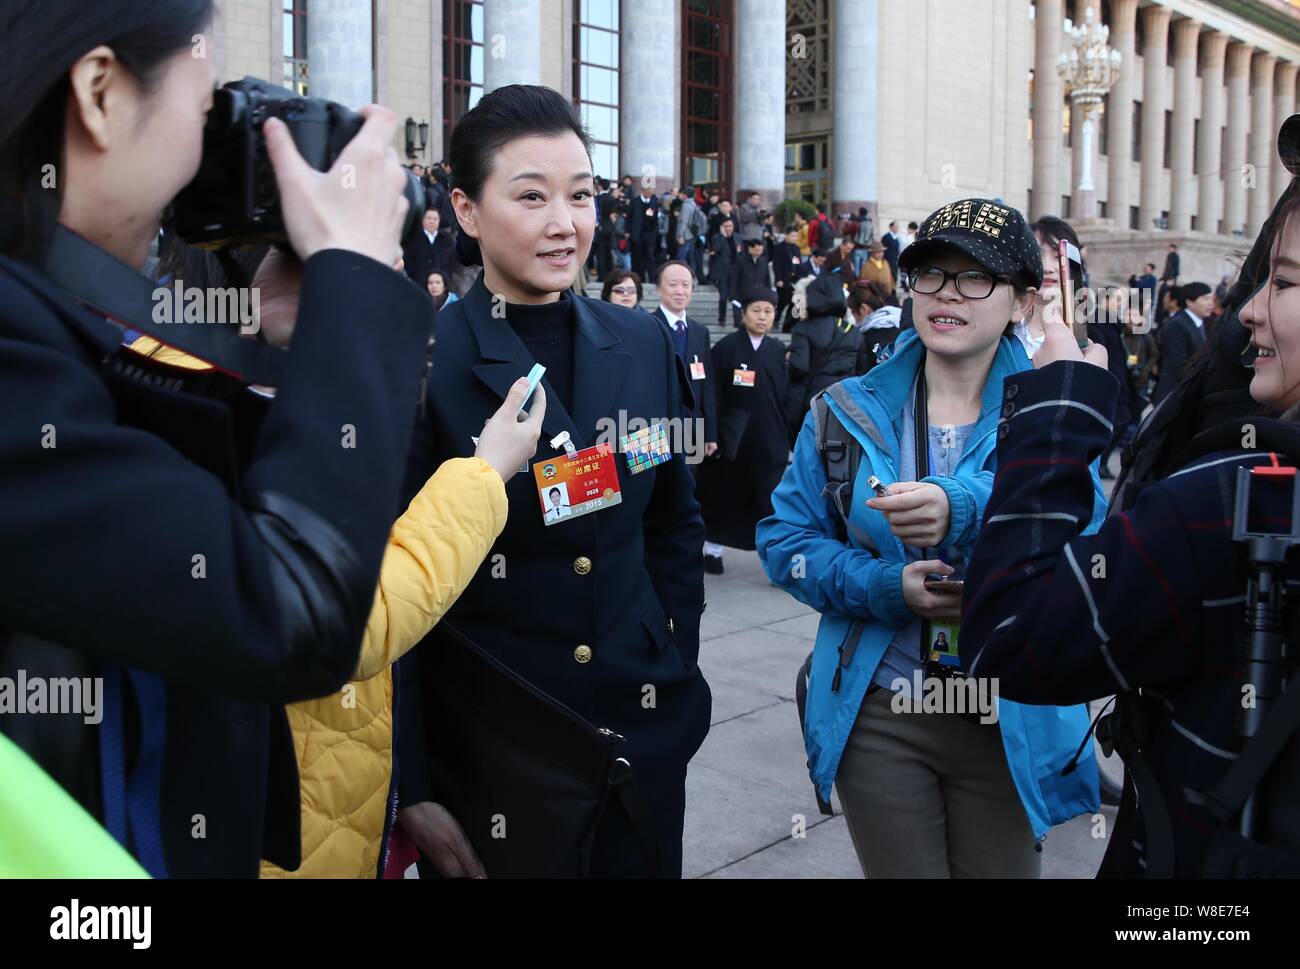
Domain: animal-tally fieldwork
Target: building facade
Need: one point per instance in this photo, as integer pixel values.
(898, 106)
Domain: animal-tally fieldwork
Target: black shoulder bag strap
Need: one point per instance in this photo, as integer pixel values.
(1256, 757)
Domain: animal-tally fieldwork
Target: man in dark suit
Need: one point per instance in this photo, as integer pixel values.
(427, 250)
(1182, 334)
(814, 265)
(892, 248)
(676, 282)
(725, 255)
(643, 228)
(752, 272)
(1172, 267)
(603, 607)
(786, 262)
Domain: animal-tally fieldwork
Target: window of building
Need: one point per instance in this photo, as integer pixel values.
(807, 66)
(1029, 129)
(1103, 136)
(1134, 213)
(462, 62)
(807, 172)
(1065, 123)
(1101, 210)
(1169, 128)
(294, 14)
(1136, 147)
(707, 51)
(597, 80)
(1196, 147)
(1065, 206)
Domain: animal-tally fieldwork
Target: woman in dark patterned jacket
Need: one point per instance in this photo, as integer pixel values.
(1151, 606)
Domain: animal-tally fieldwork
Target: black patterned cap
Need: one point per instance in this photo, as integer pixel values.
(995, 235)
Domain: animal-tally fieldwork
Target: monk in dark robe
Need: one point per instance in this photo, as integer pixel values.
(736, 484)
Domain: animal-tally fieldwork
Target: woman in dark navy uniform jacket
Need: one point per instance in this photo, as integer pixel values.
(593, 608)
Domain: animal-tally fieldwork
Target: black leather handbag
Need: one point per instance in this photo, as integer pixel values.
(527, 778)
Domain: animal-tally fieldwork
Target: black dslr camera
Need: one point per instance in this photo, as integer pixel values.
(233, 200)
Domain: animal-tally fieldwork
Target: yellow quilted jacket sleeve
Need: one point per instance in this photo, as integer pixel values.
(433, 551)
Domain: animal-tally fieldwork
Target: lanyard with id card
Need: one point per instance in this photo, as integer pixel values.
(697, 368)
(743, 376)
(939, 656)
(577, 482)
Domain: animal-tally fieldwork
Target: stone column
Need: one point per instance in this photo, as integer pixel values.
(1049, 96)
(1182, 186)
(1263, 142)
(1119, 113)
(512, 49)
(1283, 108)
(339, 61)
(646, 52)
(1234, 139)
(760, 100)
(1209, 208)
(1155, 21)
(853, 106)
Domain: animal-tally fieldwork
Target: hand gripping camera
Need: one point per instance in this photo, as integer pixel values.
(234, 200)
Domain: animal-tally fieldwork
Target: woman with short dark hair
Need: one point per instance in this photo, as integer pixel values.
(622, 286)
(595, 606)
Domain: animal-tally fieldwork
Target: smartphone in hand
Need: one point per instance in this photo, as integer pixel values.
(879, 487)
(944, 585)
(1071, 275)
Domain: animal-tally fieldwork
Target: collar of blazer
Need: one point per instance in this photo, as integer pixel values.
(599, 368)
(662, 317)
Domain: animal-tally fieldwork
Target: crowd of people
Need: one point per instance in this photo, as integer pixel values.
(377, 586)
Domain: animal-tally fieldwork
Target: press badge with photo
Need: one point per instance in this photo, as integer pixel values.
(574, 484)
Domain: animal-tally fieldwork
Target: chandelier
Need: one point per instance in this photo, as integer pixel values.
(1090, 69)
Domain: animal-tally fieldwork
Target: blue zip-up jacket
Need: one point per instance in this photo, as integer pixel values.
(863, 581)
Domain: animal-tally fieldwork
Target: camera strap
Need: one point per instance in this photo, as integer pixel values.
(930, 664)
(921, 445)
(103, 283)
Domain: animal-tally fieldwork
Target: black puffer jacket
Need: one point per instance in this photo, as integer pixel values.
(825, 346)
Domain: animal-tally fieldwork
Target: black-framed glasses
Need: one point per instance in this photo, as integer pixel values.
(971, 283)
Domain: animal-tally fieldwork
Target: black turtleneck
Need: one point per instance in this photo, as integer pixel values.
(547, 331)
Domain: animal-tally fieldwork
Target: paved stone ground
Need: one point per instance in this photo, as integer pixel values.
(750, 779)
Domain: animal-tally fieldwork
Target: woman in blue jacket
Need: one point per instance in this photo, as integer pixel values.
(939, 795)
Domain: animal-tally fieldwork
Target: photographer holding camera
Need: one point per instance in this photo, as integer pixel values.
(205, 554)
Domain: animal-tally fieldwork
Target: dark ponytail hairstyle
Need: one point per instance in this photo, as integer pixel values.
(510, 112)
(40, 40)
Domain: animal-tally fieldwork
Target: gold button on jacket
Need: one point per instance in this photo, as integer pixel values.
(582, 654)
(582, 565)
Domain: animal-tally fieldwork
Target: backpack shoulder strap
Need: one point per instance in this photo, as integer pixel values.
(839, 453)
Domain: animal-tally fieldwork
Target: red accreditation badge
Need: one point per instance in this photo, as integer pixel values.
(697, 369)
(571, 485)
(743, 377)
